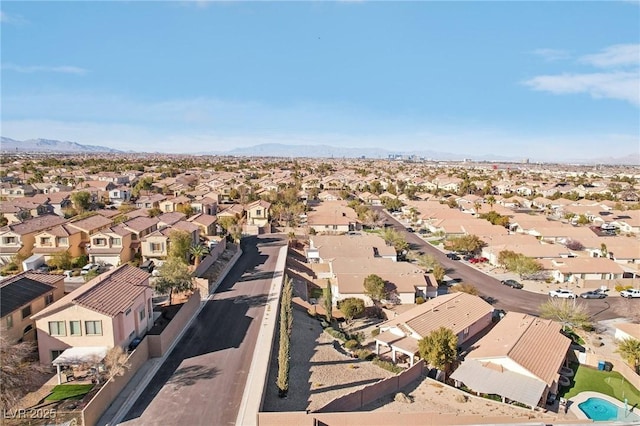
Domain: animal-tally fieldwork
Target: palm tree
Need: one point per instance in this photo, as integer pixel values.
(629, 349)
(198, 251)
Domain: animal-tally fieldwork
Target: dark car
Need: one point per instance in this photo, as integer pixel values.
(512, 283)
(453, 256)
(148, 266)
(594, 294)
(410, 230)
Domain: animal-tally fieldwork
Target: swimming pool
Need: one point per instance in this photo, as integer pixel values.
(599, 410)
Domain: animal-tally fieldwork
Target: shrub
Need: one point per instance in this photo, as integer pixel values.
(387, 365)
(358, 337)
(375, 332)
(351, 344)
(461, 398)
(336, 334)
(364, 354)
(620, 287)
(419, 300)
(311, 313)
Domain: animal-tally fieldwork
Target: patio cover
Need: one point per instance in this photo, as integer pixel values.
(481, 378)
(405, 344)
(81, 355)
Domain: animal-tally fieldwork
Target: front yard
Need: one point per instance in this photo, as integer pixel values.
(609, 383)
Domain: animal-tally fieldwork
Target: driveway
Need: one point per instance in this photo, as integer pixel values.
(202, 381)
(503, 297)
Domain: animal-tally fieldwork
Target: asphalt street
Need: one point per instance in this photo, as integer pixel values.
(202, 381)
(500, 296)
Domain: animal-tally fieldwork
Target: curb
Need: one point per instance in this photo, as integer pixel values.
(144, 382)
(253, 394)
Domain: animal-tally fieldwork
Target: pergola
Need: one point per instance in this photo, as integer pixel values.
(79, 355)
(403, 344)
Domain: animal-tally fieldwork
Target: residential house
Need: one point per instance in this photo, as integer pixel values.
(58, 239)
(110, 310)
(119, 195)
(10, 190)
(158, 244)
(174, 204)
(258, 213)
(464, 314)
(207, 223)
(333, 217)
(19, 238)
(519, 359)
(111, 245)
(569, 270)
(23, 295)
(205, 205)
(150, 201)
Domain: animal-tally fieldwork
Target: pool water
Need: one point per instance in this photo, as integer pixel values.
(599, 410)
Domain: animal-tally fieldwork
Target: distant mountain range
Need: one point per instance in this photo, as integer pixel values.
(313, 151)
(47, 145)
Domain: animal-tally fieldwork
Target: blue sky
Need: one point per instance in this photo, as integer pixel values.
(551, 81)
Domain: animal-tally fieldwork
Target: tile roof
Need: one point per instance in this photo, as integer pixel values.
(455, 311)
(535, 344)
(109, 293)
(141, 223)
(37, 224)
(16, 293)
(91, 223)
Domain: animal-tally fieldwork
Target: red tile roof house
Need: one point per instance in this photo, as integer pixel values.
(110, 310)
(519, 359)
(20, 237)
(462, 313)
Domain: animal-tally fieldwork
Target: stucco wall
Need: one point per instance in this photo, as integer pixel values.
(158, 344)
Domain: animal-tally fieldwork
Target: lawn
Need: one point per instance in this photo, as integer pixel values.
(62, 392)
(609, 383)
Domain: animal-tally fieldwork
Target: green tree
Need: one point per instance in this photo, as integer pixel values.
(3, 220)
(439, 272)
(567, 312)
(519, 263)
(351, 307)
(198, 251)
(466, 243)
(328, 301)
(61, 260)
(629, 350)
(154, 212)
(439, 348)
(90, 275)
(374, 287)
(179, 244)
(174, 277)
(81, 201)
(17, 375)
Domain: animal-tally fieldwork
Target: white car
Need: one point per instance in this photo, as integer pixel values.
(562, 293)
(631, 293)
(89, 267)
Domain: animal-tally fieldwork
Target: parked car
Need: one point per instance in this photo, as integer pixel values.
(512, 283)
(89, 267)
(631, 293)
(453, 256)
(562, 293)
(409, 229)
(148, 266)
(593, 294)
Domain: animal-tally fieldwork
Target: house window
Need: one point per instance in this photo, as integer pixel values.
(93, 327)
(57, 328)
(117, 241)
(48, 299)
(45, 241)
(99, 242)
(141, 314)
(156, 247)
(9, 240)
(258, 212)
(63, 241)
(150, 309)
(55, 354)
(9, 321)
(74, 328)
(26, 312)
(128, 311)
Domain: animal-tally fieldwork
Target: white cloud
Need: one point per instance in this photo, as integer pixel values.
(64, 69)
(551, 54)
(615, 85)
(621, 81)
(5, 18)
(620, 55)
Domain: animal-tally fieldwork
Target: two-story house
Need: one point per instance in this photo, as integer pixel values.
(110, 310)
(111, 245)
(23, 295)
(19, 238)
(57, 239)
(258, 213)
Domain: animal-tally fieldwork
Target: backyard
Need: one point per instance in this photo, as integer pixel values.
(609, 383)
(64, 392)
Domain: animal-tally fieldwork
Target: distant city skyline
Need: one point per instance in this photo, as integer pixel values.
(549, 81)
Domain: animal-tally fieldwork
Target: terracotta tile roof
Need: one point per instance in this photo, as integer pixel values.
(114, 291)
(170, 218)
(535, 344)
(92, 223)
(204, 219)
(353, 246)
(141, 223)
(37, 224)
(455, 311)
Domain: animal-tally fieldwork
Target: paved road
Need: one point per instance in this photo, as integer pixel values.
(202, 380)
(504, 297)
